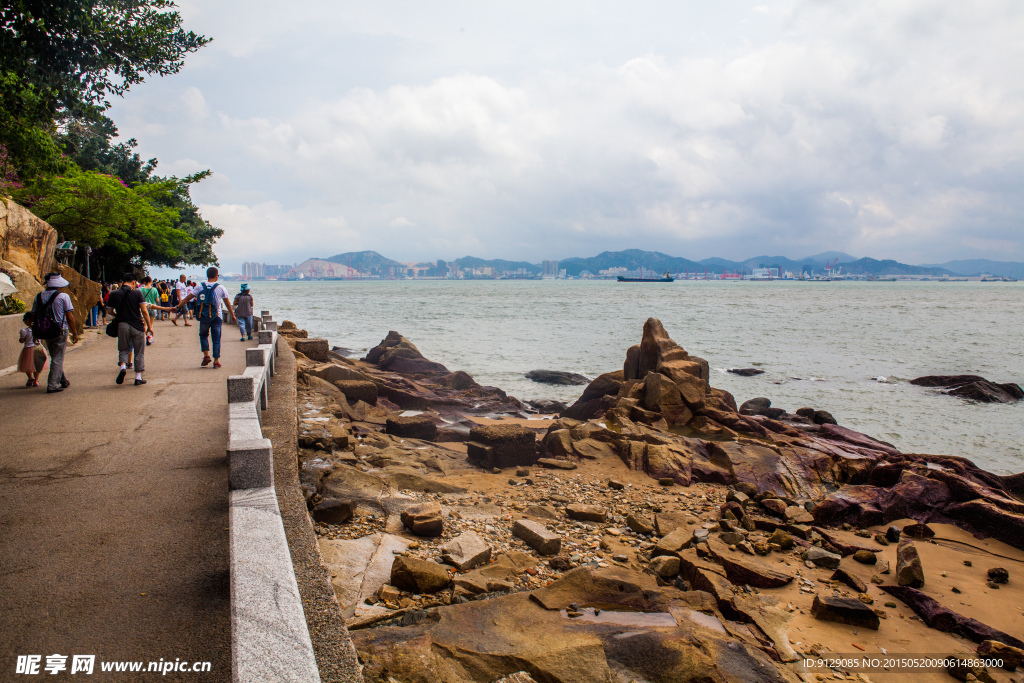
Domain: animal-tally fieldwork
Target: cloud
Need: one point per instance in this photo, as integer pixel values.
(884, 128)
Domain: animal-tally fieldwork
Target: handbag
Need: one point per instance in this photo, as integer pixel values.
(112, 328)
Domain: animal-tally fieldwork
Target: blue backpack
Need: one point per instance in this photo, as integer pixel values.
(206, 303)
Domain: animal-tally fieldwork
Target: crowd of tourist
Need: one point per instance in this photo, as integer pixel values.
(128, 310)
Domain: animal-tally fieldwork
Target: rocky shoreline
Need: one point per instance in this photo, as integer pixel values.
(654, 530)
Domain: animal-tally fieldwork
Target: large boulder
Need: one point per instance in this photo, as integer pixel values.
(502, 445)
(556, 377)
(395, 353)
(26, 240)
(26, 283)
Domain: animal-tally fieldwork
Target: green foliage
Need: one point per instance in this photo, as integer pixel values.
(59, 62)
(11, 305)
(88, 144)
(74, 53)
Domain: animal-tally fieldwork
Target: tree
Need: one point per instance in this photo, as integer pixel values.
(154, 222)
(75, 53)
(61, 59)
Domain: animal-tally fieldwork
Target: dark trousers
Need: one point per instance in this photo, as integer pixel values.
(56, 348)
(130, 339)
(210, 328)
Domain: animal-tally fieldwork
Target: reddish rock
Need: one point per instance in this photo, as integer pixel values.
(412, 427)
(502, 445)
(941, 618)
(844, 611)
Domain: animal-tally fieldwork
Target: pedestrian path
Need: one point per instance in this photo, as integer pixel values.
(114, 509)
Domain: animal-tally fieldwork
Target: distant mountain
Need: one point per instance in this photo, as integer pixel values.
(831, 256)
(870, 266)
(631, 259)
(366, 261)
(975, 267)
(500, 265)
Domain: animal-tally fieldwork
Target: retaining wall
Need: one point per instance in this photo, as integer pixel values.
(269, 637)
(10, 349)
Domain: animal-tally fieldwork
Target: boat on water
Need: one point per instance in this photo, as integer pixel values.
(664, 278)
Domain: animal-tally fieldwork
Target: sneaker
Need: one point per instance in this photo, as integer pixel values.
(206, 361)
(139, 381)
(250, 337)
(242, 339)
(216, 363)
(64, 383)
(129, 366)
(120, 376)
(54, 391)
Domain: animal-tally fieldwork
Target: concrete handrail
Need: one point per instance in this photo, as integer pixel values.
(269, 637)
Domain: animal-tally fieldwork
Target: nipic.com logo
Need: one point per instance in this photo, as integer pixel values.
(33, 665)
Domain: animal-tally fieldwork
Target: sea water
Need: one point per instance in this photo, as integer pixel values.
(845, 347)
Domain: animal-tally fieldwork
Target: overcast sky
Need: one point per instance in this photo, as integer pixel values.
(541, 130)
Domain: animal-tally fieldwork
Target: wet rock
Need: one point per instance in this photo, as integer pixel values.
(502, 445)
(556, 377)
(412, 427)
(822, 417)
(822, 558)
(848, 611)
(395, 353)
(908, 565)
(665, 566)
(424, 519)
(755, 406)
(556, 464)
(865, 557)
(418, 576)
(998, 575)
(586, 513)
(941, 618)
(973, 387)
(465, 551)
(745, 372)
(548, 406)
(537, 537)
(333, 511)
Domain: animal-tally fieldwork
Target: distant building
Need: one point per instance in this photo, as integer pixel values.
(549, 269)
(260, 271)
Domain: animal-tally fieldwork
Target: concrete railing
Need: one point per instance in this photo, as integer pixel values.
(269, 637)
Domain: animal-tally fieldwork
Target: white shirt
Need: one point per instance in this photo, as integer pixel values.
(219, 293)
(182, 290)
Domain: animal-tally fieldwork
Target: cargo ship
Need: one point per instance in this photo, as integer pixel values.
(664, 278)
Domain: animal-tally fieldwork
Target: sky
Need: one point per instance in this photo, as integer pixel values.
(544, 130)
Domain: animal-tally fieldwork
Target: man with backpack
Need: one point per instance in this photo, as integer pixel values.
(53, 318)
(131, 308)
(208, 297)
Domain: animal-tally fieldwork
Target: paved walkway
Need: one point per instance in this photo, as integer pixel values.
(113, 509)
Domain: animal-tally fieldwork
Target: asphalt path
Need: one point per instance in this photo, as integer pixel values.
(114, 511)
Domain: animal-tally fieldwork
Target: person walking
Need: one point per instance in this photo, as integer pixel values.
(208, 297)
(243, 312)
(182, 290)
(54, 307)
(131, 310)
